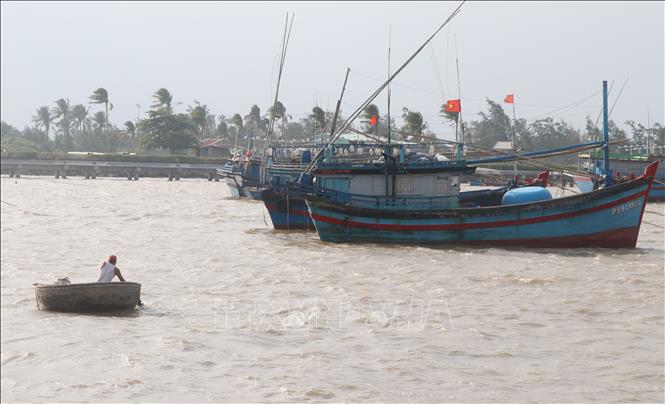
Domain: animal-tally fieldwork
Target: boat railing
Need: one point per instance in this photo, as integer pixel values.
(287, 166)
(389, 202)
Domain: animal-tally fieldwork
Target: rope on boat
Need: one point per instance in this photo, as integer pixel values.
(271, 123)
(376, 93)
(264, 216)
(525, 159)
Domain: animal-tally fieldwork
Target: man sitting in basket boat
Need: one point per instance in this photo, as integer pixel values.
(108, 270)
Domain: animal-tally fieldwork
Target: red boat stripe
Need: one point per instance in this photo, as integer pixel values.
(464, 226)
(620, 238)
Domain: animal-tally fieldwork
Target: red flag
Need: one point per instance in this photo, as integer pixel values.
(453, 106)
(374, 120)
(510, 99)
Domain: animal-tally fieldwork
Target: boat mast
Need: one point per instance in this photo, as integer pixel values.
(388, 150)
(271, 125)
(375, 94)
(606, 135)
(460, 141)
(339, 103)
(389, 45)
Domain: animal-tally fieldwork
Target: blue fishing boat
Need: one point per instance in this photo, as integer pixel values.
(419, 203)
(287, 208)
(608, 217)
(283, 199)
(242, 177)
(284, 196)
(624, 166)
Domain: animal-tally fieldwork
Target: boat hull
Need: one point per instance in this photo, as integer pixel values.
(253, 193)
(608, 217)
(287, 212)
(657, 193)
(88, 297)
(234, 188)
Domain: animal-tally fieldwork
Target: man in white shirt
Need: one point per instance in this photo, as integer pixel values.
(108, 270)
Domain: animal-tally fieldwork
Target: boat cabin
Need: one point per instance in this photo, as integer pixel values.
(394, 183)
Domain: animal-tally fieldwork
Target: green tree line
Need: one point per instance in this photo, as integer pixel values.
(65, 127)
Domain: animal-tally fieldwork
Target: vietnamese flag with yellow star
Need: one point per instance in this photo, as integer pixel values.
(453, 106)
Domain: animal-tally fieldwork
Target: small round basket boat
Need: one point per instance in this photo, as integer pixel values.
(88, 297)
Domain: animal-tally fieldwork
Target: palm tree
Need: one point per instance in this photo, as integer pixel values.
(414, 124)
(452, 117)
(199, 116)
(80, 118)
(279, 112)
(317, 119)
(101, 96)
(236, 121)
(253, 118)
(163, 99)
(99, 120)
(222, 127)
(130, 129)
(43, 118)
(211, 125)
(62, 111)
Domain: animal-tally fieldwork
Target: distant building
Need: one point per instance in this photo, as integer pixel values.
(503, 145)
(214, 148)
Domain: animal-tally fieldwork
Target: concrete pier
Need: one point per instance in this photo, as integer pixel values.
(91, 169)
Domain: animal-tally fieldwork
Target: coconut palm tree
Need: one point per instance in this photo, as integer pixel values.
(236, 121)
(101, 96)
(222, 127)
(278, 110)
(253, 119)
(99, 119)
(317, 119)
(163, 99)
(130, 129)
(43, 118)
(414, 124)
(286, 118)
(80, 118)
(62, 111)
(199, 117)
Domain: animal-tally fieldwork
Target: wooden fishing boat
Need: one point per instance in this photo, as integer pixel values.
(283, 199)
(88, 297)
(608, 217)
(242, 178)
(287, 208)
(624, 165)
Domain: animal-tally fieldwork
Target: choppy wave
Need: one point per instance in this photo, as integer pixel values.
(236, 311)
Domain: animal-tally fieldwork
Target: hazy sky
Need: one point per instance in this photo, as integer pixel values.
(550, 55)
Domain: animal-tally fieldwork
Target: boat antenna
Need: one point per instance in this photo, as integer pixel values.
(271, 125)
(389, 45)
(375, 94)
(339, 103)
(617, 99)
(606, 138)
(460, 141)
